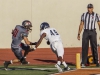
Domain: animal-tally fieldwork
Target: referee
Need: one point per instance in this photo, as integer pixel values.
(88, 21)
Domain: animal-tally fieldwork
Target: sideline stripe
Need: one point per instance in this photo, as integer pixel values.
(91, 68)
(74, 69)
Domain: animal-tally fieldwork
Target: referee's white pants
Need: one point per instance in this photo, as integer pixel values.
(57, 48)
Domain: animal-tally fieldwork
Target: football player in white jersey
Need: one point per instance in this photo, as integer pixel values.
(53, 38)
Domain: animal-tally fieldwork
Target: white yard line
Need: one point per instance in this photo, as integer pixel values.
(63, 72)
(45, 68)
(20, 68)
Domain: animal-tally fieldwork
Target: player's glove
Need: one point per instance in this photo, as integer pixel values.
(33, 43)
(48, 43)
(32, 48)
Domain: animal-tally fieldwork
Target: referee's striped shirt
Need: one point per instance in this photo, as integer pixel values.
(90, 20)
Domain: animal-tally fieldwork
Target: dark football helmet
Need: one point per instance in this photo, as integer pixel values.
(44, 25)
(27, 24)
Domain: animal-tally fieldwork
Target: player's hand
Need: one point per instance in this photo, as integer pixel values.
(78, 37)
(48, 43)
(32, 48)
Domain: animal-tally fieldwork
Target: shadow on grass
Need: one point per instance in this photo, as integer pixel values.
(54, 61)
(48, 61)
(70, 63)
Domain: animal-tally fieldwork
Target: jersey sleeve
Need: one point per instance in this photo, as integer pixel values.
(24, 34)
(82, 17)
(97, 18)
(44, 31)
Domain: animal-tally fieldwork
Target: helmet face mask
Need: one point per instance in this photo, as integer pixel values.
(27, 25)
(29, 28)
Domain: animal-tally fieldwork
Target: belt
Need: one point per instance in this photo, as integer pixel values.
(89, 30)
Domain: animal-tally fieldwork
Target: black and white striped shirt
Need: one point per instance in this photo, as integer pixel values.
(90, 20)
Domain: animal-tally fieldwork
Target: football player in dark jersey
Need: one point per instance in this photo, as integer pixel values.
(18, 34)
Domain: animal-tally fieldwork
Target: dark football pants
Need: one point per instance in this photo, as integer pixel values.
(89, 35)
(18, 51)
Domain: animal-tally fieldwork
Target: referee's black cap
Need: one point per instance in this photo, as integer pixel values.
(90, 6)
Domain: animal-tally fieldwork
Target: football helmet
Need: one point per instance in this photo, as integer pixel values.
(44, 25)
(27, 24)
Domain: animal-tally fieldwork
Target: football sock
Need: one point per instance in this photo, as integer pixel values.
(64, 63)
(25, 57)
(59, 63)
(11, 61)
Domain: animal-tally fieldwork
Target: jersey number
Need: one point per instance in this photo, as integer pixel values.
(53, 32)
(15, 31)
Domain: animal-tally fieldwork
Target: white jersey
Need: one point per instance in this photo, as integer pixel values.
(51, 35)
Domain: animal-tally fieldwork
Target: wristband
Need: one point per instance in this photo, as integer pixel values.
(33, 43)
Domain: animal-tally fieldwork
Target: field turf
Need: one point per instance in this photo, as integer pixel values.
(29, 70)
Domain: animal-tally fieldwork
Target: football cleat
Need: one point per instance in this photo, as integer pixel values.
(66, 69)
(58, 67)
(6, 63)
(83, 66)
(25, 63)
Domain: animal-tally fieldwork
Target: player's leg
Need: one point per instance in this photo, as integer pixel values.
(93, 41)
(6, 63)
(58, 63)
(20, 58)
(26, 49)
(60, 52)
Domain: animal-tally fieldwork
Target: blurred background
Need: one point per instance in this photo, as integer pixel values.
(64, 15)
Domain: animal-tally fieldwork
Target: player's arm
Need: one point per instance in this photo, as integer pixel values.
(99, 25)
(24, 36)
(40, 40)
(80, 27)
(26, 40)
(98, 20)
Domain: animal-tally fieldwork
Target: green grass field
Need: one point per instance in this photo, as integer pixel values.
(29, 70)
